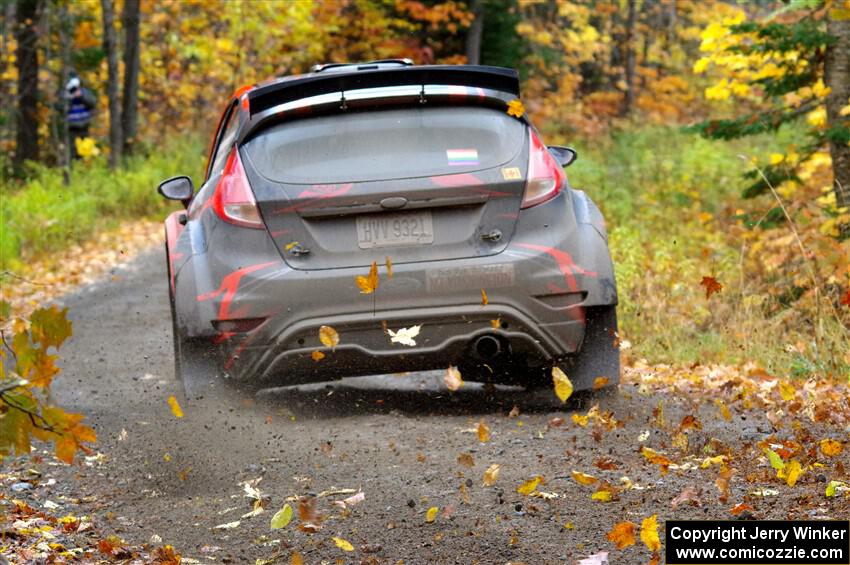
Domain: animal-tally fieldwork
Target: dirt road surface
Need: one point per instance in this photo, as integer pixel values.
(396, 438)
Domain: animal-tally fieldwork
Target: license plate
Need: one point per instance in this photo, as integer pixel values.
(392, 230)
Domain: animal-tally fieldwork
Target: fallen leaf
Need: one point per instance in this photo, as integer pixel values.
(555, 422)
(483, 432)
(529, 486)
(722, 482)
(689, 495)
(351, 500)
(296, 559)
(775, 460)
(830, 488)
(227, 526)
(583, 478)
(830, 447)
(405, 336)
(793, 471)
(563, 386)
(431, 514)
(656, 458)
(690, 422)
(515, 412)
(724, 410)
(328, 336)
(600, 382)
(516, 108)
(309, 517)
(580, 419)
(317, 355)
(622, 534)
(453, 381)
(282, 517)
(649, 533)
(787, 391)
(466, 460)
(175, 407)
(484, 300)
(496, 324)
(389, 264)
(344, 545)
(596, 559)
(602, 495)
(739, 509)
(491, 475)
(369, 283)
(711, 286)
(605, 464)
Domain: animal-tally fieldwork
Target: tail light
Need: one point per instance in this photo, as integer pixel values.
(233, 200)
(545, 175)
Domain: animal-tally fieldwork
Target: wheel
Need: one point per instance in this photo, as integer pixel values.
(599, 355)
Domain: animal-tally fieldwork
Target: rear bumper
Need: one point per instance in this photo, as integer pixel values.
(537, 290)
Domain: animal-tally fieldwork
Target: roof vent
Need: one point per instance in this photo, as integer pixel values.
(367, 66)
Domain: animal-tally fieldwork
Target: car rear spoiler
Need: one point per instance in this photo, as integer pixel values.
(280, 92)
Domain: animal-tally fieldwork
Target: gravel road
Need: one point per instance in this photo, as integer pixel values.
(398, 438)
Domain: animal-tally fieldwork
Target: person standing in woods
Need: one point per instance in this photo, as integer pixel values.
(81, 103)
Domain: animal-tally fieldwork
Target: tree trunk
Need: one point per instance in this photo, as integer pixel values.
(130, 100)
(629, 99)
(476, 31)
(837, 71)
(110, 46)
(66, 32)
(26, 36)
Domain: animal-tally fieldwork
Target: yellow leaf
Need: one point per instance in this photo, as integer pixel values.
(431, 515)
(282, 517)
(831, 447)
(290, 245)
(497, 323)
(649, 533)
(389, 268)
(453, 379)
(793, 471)
(175, 407)
(529, 486)
(317, 355)
(775, 460)
(830, 488)
(491, 474)
(484, 300)
(724, 410)
(166, 457)
(516, 108)
(787, 391)
(602, 495)
(600, 382)
(344, 545)
(622, 534)
(563, 386)
(328, 336)
(483, 432)
(581, 420)
(583, 478)
(369, 283)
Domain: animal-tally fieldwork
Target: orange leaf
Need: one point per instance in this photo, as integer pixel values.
(328, 336)
(831, 447)
(369, 283)
(600, 382)
(516, 108)
(583, 478)
(622, 534)
(317, 355)
(711, 286)
(484, 300)
(483, 432)
(740, 509)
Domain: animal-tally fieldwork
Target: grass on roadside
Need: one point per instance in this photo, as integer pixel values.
(43, 215)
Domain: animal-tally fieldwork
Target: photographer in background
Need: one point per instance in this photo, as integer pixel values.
(81, 103)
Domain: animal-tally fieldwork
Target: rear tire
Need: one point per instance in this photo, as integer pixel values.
(599, 355)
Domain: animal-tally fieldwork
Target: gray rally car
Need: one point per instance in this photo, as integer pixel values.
(419, 174)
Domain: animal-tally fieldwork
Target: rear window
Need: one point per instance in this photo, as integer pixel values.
(386, 144)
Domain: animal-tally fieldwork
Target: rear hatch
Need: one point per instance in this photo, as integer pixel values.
(414, 184)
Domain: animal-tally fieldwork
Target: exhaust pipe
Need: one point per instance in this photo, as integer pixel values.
(487, 347)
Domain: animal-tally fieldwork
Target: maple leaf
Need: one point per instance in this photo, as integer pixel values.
(369, 283)
(453, 381)
(405, 336)
(622, 534)
(649, 533)
(563, 386)
(711, 286)
(491, 475)
(328, 336)
(50, 326)
(516, 108)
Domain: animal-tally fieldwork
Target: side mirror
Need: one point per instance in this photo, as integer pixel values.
(177, 188)
(566, 156)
